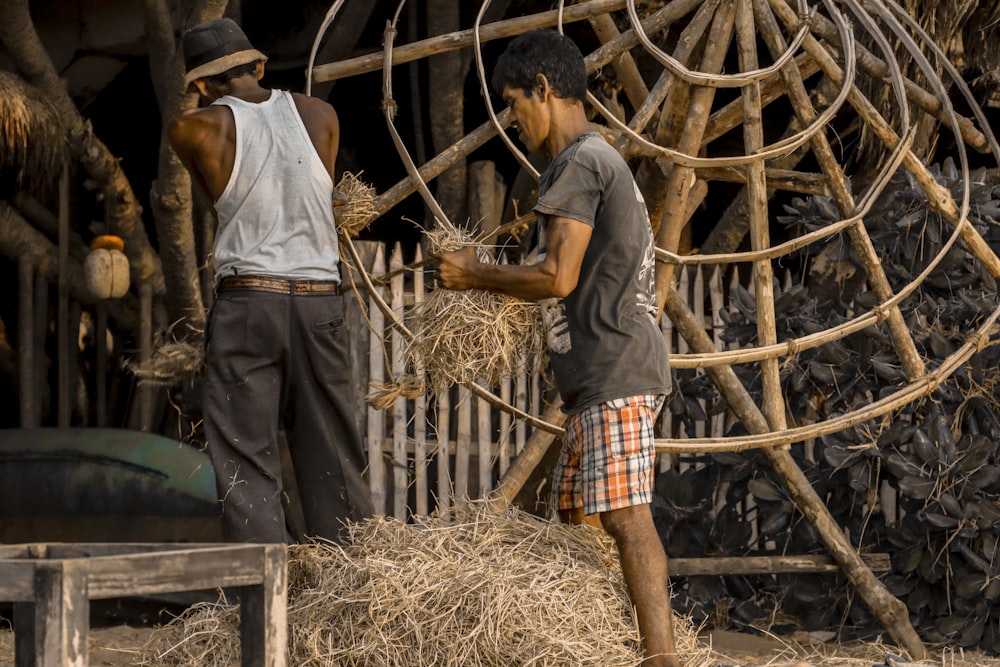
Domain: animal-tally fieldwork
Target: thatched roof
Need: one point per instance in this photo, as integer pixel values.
(32, 137)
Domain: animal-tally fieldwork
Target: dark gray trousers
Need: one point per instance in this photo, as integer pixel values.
(277, 360)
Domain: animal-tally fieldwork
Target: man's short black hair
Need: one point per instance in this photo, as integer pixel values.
(542, 52)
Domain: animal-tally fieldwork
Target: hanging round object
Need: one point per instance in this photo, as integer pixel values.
(106, 268)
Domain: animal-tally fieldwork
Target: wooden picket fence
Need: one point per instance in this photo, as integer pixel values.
(425, 455)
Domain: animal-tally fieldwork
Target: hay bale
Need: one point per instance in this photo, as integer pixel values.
(473, 587)
(471, 335)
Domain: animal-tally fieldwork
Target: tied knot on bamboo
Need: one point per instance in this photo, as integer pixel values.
(384, 396)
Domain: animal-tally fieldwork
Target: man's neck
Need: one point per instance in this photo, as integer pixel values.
(248, 89)
(568, 124)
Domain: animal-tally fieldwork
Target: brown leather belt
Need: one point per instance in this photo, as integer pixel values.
(279, 285)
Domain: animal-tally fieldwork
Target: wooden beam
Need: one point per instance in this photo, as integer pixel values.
(463, 38)
(805, 564)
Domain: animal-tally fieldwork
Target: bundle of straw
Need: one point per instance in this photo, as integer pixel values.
(472, 587)
(471, 335)
(354, 204)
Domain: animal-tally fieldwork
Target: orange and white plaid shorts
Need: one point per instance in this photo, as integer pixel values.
(606, 462)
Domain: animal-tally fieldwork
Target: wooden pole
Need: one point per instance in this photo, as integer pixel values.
(527, 460)
(101, 346)
(461, 39)
(145, 354)
(763, 275)
(26, 345)
(40, 315)
(62, 307)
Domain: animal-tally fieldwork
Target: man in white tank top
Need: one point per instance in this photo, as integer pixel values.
(276, 345)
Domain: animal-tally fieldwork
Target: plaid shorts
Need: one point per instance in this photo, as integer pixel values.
(606, 462)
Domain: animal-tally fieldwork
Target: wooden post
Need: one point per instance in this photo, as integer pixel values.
(40, 315)
(529, 458)
(760, 238)
(400, 463)
(62, 307)
(51, 623)
(376, 373)
(26, 346)
(419, 407)
(101, 363)
(264, 613)
(145, 354)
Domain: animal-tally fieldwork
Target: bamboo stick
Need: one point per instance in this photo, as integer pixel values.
(463, 445)
(788, 180)
(878, 69)
(677, 183)
(763, 276)
(26, 345)
(461, 39)
(420, 410)
(503, 437)
(376, 375)
(400, 465)
(624, 65)
(443, 451)
(62, 306)
(675, 97)
(529, 458)
(484, 450)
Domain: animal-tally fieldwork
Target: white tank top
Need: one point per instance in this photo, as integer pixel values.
(276, 213)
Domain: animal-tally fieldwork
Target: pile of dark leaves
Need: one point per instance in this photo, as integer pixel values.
(921, 483)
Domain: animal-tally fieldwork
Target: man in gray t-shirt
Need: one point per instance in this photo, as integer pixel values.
(593, 278)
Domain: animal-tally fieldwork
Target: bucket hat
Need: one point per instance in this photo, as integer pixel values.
(215, 46)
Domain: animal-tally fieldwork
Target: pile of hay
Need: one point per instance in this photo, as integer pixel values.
(474, 587)
(471, 335)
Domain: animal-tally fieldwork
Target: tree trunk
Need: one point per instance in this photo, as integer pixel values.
(170, 194)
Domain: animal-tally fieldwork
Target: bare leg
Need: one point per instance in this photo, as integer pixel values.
(644, 565)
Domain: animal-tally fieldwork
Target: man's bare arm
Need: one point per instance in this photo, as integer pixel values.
(556, 275)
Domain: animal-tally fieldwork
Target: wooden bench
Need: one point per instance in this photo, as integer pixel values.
(51, 586)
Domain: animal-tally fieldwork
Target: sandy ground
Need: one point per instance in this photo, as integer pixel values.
(119, 646)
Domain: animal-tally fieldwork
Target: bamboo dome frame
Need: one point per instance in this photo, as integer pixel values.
(817, 43)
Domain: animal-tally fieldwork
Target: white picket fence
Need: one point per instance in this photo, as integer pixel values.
(427, 455)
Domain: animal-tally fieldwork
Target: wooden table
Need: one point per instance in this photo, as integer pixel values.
(51, 586)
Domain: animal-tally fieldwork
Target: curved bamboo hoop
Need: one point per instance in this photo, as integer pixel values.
(693, 77)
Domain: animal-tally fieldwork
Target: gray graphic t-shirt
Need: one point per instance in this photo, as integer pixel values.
(603, 341)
